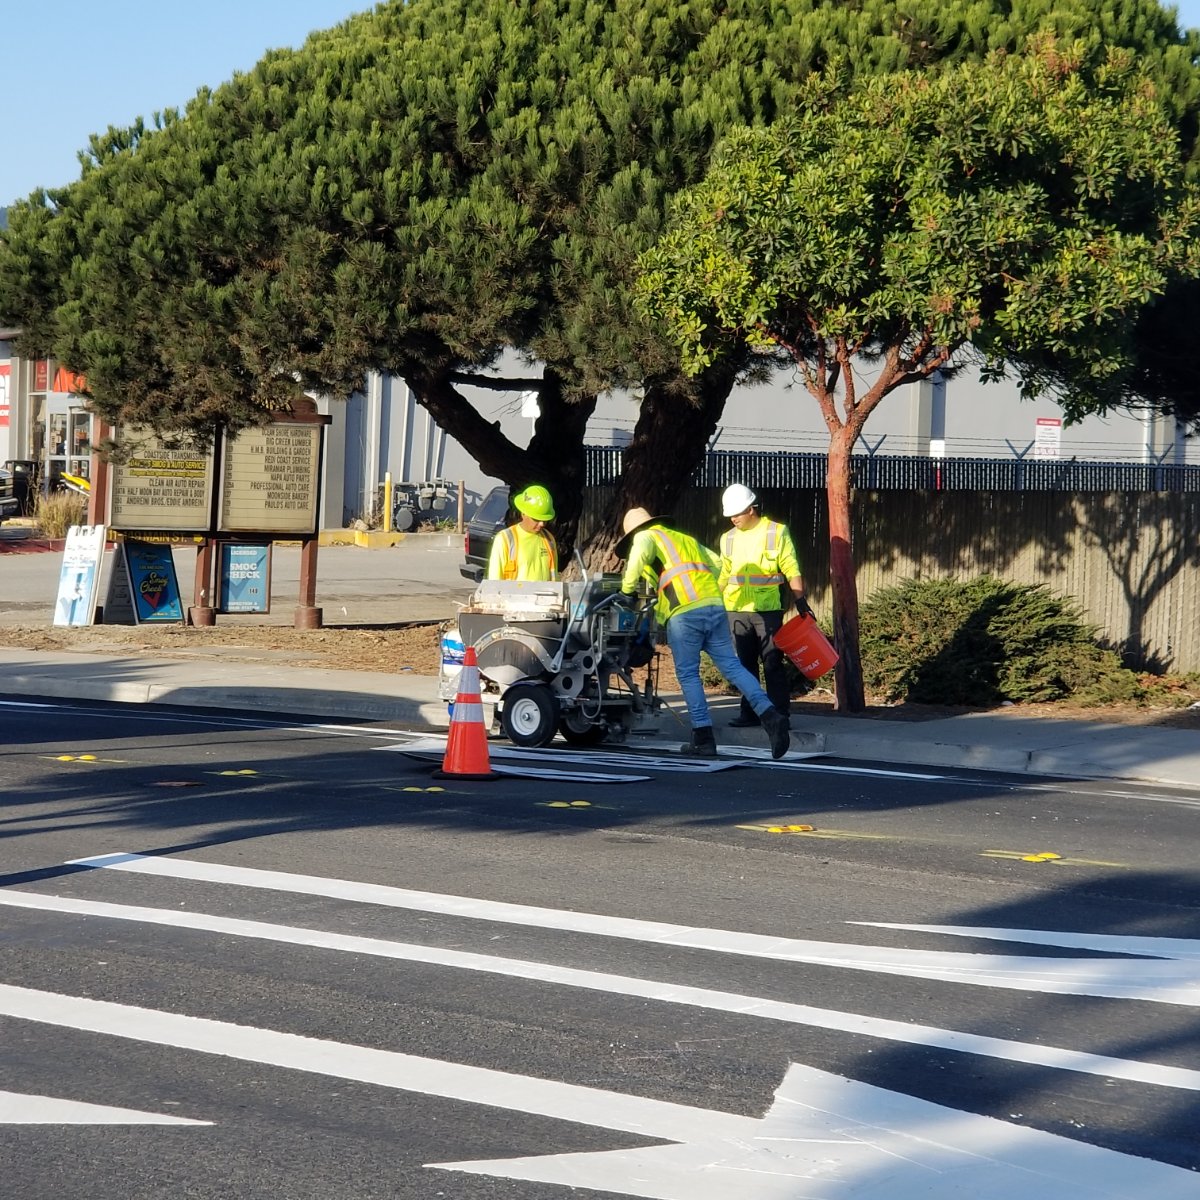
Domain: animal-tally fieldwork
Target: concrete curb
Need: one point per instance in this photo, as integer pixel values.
(312, 702)
(862, 745)
(1103, 754)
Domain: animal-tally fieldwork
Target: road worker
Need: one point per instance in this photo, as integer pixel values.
(758, 559)
(527, 550)
(683, 574)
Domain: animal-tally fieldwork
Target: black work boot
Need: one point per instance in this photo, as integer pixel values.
(776, 726)
(703, 743)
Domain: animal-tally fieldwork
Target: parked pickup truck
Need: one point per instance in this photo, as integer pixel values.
(490, 517)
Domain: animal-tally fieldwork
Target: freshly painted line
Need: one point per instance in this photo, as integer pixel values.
(434, 751)
(828, 768)
(566, 776)
(829, 1138)
(624, 985)
(383, 1068)
(845, 1140)
(1178, 949)
(1170, 982)
(542, 761)
(19, 1109)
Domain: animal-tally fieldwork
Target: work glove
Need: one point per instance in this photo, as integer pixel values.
(627, 600)
(802, 609)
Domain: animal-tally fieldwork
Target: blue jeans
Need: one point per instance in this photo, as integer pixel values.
(707, 628)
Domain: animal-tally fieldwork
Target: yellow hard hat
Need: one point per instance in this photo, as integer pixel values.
(535, 503)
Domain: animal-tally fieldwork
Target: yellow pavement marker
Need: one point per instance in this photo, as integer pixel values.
(813, 832)
(1048, 856)
(89, 759)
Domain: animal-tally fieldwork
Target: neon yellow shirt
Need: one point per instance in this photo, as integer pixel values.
(677, 566)
(754, 562)
(519, 554)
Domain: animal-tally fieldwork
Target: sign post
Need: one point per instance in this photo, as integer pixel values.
(270, 484)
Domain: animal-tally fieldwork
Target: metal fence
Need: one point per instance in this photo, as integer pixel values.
(1129, 554)
(918, 473)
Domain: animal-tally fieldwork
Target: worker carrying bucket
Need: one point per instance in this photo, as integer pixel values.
(803, 642)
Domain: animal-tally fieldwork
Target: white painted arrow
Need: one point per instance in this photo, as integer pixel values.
(829, 1138)
(19, 1109)
(844, 1140)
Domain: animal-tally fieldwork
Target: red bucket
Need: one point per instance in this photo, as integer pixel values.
(803, 642)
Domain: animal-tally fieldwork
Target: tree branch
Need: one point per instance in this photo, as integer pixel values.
(495, 384)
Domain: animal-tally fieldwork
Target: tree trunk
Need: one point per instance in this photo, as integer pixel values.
(848, 672)
(674, 426)
(554, 457)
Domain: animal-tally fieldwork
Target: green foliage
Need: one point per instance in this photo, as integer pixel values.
(984, 641)
(435, 180)
(1028, 207)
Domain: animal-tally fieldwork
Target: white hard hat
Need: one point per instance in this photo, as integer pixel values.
(736, 498)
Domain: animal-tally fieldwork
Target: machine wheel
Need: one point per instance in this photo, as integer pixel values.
(579, 731)
(529, 716)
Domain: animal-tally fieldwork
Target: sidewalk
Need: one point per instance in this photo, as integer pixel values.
(1002, 740)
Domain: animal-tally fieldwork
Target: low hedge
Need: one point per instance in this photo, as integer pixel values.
(984, 641)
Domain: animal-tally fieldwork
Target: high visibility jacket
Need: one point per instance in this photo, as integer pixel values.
(519, 554)
(754, 562)
(677, 566)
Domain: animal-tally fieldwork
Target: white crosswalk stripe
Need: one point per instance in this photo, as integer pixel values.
(823, 1130)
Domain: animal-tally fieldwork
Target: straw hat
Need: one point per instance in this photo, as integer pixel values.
(635, 519)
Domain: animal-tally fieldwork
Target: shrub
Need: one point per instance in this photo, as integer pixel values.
(943, 641)
(56, 513)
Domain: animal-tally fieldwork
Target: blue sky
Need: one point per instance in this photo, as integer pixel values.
(71, 68)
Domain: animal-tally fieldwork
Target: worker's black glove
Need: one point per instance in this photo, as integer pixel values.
(802, 609)
(627, 600)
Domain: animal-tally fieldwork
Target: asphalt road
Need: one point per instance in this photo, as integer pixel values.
(357, 986)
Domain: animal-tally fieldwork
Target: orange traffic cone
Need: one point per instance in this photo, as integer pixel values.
(466, 748)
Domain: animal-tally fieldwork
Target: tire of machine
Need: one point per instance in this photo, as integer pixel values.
(529, 714)
(580, 732)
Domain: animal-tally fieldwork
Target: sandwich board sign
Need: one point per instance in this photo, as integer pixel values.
(143, 587)
(79, 575)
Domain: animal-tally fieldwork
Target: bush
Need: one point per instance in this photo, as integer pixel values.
(56, 513)
(942, 641)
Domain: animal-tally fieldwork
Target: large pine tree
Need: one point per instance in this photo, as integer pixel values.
(436, 181)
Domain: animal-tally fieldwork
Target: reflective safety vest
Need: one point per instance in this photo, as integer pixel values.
(678, 567)
(754, 562)
(519, 554)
